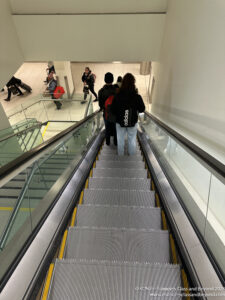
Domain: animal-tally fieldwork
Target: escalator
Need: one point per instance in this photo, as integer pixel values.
(83, 223)
(117, 246)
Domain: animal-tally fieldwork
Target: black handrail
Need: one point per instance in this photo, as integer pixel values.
(215, 164)
(13, 165)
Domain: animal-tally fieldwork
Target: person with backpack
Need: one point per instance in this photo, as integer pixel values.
(88, 79)
(52, 85)
(105, 99)
(126, 106)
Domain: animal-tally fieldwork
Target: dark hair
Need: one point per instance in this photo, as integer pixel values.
(87, 68)
(128, 84)
(109, 78)
(119, 79)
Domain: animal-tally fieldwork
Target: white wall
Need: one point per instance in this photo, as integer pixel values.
(190, 75)
(87, 6)
(10, 52)
(91, 37)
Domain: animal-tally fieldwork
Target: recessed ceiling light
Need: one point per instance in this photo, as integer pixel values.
(117, 62)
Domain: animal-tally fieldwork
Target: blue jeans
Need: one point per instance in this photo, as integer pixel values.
(131, 138)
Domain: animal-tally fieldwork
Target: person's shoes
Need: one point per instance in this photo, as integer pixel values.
(21, 94)
(96, 100)
(7, 99)
(2, 90)
(84, 101)
(59, 105)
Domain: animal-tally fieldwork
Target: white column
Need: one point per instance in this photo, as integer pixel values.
(64, 76)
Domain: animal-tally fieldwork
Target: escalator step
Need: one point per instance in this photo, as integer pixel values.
(120, 172)
(124, 158)
(118, 244)
(119, 164)
(93, 280)
(119, 216)
(119, 197)
(119, 183)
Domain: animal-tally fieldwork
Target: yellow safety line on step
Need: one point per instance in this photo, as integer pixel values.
(149, 175)
(81, 198)
(63, 244)
(45, 129)
(73, 217)
(185, 284)
(173, 249)
(94, 165)
(86, 184)
(165, 227)
(157, 200)
(91, 173)
(48, 282)
(153, 186)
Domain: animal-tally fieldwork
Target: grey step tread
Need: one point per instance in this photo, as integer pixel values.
(119, 164)
(118, 216)
(85, 280)
(119, 183)
(11, 193)
(14, 184)
(54, 166)
(125, 158)
(8, 202)
(118, 244)
(119, 197)
(114, 151)
(120, 172)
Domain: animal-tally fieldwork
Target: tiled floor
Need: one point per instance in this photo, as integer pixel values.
(34, 74)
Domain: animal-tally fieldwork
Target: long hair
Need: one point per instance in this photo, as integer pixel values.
(128, 84)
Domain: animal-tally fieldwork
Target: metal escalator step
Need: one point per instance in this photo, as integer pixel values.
(118, 244)
(119, 164)
(118, 216)
(97, 280)
(114, 151)
(116, 157)
(8, 202)
(120, 172)
(119, 183)
(9, 192)
(54, 166)
(15, 184)
(119, 197)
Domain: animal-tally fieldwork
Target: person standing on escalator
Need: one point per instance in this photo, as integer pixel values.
(104, 94)
(88, 79)
(126, 106)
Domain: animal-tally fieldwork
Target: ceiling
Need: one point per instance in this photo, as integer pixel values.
(88, 6)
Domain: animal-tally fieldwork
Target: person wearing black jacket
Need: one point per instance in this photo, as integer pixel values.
(13, 82)
(104, 93)
(126, 106)
(89, 80)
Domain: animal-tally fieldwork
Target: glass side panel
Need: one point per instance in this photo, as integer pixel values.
(44, 177)
(202, 192)
(215, 223)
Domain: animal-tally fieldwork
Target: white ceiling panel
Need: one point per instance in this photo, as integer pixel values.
(88, 6)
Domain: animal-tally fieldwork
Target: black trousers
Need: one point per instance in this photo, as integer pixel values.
(110, 130)
(91, 88)
(10, 93)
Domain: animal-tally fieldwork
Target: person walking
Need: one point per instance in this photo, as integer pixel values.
(51, 88)
(88, 79)
(104, 93)
(126, 106)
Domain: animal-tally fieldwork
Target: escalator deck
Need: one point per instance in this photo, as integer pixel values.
(116, 248)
